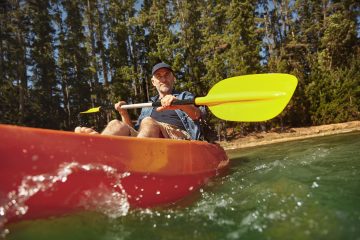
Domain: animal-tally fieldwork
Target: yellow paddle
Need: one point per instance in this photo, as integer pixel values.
(248, 98)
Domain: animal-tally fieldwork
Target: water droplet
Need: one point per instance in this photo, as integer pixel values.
(157, 192)
(314, 185)
(4, 233)
(23, 210)
(2, 211)
(35, 157)
(39, 178)
(86, 167)
(299, 204)
(191, 188)
(24, 150)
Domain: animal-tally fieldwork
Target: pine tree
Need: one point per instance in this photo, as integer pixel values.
(188, 56)
(243, 37)
(214, 45)
(122, 72)
(45, 91)
(154, 40)
(74, 60)
(333, 89)
(90, 14)
(15, 40)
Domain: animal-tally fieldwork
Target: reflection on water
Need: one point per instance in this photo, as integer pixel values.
(298, 190)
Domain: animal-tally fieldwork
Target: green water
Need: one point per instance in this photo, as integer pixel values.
(307, 189)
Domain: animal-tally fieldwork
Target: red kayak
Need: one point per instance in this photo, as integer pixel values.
(47, 172)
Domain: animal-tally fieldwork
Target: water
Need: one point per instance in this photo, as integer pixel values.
(307, 189)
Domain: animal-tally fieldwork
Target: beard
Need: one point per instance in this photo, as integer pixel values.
(165, 89)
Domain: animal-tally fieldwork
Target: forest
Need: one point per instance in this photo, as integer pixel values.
(61, 57)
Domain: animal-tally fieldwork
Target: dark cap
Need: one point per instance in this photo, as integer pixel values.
(160, 65)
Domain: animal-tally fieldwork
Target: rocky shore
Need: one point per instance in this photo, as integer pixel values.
(264, 138)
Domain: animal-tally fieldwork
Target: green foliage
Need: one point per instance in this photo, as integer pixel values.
(58, 58)
(335, 95)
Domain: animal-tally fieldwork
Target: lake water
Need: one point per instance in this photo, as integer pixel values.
(307, 189)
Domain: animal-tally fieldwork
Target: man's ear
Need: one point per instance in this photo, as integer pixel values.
(152, 81)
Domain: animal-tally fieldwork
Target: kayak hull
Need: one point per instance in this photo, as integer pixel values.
(48, 172)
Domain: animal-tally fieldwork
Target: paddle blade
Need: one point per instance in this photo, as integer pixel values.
(92, 110)
(250, 98)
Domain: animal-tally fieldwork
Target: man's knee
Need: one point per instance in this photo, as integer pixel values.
(77, 129)
(115, 124)
(148, 121)
(116, 127)
(149, 128)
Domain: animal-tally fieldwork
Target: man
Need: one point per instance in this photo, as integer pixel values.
(176, 122)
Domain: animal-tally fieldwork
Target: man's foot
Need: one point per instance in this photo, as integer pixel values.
(85, 130)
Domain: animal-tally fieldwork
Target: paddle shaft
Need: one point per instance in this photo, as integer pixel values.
(208, 101)
(157, 104)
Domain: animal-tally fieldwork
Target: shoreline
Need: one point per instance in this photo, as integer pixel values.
(265, 138)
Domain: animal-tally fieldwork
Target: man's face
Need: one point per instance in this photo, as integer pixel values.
(163, 79)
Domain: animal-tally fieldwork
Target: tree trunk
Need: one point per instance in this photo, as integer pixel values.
(95, 83)
(101, 49)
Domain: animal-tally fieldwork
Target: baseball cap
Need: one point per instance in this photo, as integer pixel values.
(160, 65)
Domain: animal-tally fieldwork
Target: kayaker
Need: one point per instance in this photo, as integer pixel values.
(176, 122)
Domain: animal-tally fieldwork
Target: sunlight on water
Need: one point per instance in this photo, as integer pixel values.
(298, 190)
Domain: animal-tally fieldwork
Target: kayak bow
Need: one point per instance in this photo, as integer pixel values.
(52, 172)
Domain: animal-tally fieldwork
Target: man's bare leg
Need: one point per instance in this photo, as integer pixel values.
(114, 127)
(117, 128)
(149, 128)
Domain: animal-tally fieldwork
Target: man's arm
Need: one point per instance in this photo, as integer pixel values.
(192, 111)
(125, 118)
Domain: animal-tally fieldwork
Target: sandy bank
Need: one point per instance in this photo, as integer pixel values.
(265, 138)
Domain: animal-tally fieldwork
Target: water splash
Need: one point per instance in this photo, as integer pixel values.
(114, 202)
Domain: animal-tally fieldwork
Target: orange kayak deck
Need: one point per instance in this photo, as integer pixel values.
(47, 172)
